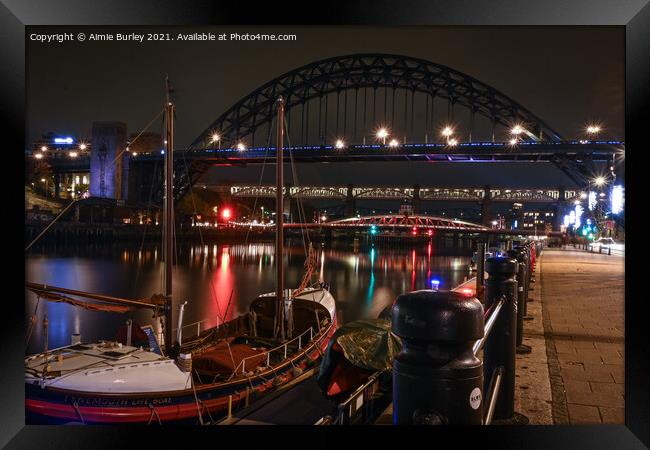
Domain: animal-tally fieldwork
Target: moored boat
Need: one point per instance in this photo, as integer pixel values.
(195, 381)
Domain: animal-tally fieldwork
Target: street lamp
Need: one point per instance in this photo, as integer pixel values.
(599, 181)
(216, 138)
(339, 144)
(393, 143)
(593, 130)
(382, 134)
(82, 146)
(43, 148)
(447, 131)
(452, 142)
(517, 130)
(241, 147)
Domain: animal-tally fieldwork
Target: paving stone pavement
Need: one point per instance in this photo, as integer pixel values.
(533, 395)
(583, 299)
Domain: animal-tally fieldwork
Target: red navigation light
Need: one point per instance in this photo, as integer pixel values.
(430, 232)
(226, 213)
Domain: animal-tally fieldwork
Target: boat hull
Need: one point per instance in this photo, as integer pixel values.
(203, 404)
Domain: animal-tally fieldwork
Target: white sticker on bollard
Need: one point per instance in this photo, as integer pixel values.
(475, 398)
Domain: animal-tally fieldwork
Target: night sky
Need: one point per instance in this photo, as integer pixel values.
(566, 76)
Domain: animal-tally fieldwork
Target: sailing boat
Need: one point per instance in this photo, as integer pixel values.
(283, 334)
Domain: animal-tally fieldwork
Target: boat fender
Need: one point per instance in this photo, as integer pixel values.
(296, 371)
(277, 381)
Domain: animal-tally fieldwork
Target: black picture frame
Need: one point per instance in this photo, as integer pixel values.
(15, 15)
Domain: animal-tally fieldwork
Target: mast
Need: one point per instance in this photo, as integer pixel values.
(168, 216)
(279, 217)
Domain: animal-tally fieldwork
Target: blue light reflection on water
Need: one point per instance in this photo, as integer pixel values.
(364, 282)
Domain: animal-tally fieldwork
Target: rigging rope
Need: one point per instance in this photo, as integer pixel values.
(259, 183)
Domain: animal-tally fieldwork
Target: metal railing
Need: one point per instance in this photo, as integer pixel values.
(358, 406)
(490, 318)
(283, 348)
(194, 325)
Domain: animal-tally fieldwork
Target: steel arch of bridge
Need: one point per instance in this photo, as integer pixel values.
(363, 71)
(367, 70)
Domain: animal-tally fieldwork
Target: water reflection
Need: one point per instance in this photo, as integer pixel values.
(220, 281)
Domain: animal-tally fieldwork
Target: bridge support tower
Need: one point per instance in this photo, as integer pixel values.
(416, 202)
(350, 202)
(560, 208)
(486, 204)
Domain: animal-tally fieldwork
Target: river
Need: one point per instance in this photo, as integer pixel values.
(220, 280)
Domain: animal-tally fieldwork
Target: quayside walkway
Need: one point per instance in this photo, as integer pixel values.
(582, 300)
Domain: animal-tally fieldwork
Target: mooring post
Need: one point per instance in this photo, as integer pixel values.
(499, 350)
(480, 269)
(437, 379)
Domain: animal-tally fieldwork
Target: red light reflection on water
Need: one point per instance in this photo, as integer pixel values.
(222, 288)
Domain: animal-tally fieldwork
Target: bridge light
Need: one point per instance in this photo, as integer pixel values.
(323, 218)
(241, 147)
(517, 130)
(447, 131)
(513, 141)
(382, 134)
(82, 146)
(452, 142)
(73, 154)
(215, 137)
(593, 129)
(583, 195)
(43, 148)
(430, 232)
(38, 155)
(373, 229)
(339, 144)
(393, 143)
(435, 284)
(226, 213)
(134, 154)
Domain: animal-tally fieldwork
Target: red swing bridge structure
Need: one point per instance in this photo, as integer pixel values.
(417, 224)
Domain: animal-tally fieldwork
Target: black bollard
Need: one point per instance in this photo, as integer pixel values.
(521, 299)
(499, 350)
(436, 374)
(524, 283)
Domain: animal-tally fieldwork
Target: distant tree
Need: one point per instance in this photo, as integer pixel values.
(36, 171)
